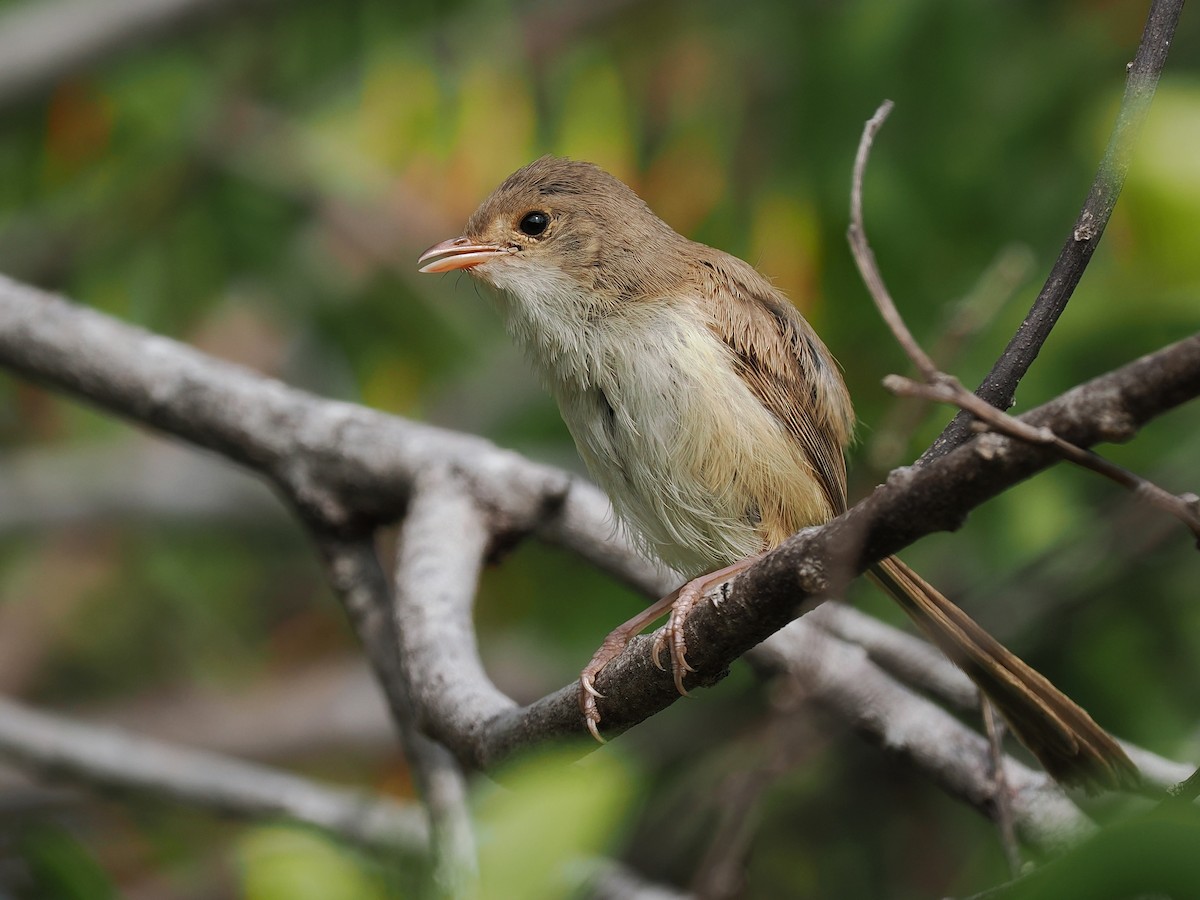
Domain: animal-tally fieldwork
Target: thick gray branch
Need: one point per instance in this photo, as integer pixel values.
(916, 663)
(442, 545)
(339, 463)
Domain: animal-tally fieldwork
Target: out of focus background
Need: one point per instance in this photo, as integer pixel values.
(257, 179)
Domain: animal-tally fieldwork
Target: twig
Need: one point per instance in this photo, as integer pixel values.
(993, 727)
(865, 256)
(946, 388)
(112, 759)
(967, 316)
(999, 386)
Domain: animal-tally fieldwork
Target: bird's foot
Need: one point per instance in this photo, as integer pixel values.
(612, 647)
(680, 603)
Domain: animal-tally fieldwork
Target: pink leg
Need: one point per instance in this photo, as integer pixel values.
(688, 596)
(680, 602)
(612, 647)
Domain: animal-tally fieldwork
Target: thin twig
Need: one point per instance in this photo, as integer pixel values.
(966, 318)
(865, 256)
(993, 727)
(948, 389)
(1000, 385)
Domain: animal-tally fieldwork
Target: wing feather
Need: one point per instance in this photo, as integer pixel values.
(784, 363)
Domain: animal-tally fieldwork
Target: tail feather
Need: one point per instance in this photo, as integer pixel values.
(1064, 738)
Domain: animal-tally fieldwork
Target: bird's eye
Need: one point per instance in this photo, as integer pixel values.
(534, 223)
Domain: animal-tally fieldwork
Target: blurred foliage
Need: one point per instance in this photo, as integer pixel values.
(260, 183)
(548, 821)
(283, 863)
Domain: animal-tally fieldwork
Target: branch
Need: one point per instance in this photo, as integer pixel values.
(849, 686)
(112, 759)
(946, 388)
(125, 480)
(917, 663)
(1000, 385)
(359, 579)
(341, 465)
(347, 467)
(912, 661)
(965, 318)
(442, 545)
(42, 43)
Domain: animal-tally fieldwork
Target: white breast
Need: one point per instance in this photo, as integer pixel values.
(646, 392)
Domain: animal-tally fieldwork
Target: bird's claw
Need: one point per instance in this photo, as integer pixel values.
(672, 634)
(587, 685)
(591, 715)
(588, 694)
(660, 641)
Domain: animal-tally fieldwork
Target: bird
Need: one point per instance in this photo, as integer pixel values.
(714, 417)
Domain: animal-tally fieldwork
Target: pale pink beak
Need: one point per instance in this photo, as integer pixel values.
(458, 253)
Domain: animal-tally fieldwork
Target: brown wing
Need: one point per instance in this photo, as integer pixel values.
(784, 363)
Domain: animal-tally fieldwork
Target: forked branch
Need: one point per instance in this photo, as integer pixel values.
(945, 388)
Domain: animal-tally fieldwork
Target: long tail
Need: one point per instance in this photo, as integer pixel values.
(1064, 738)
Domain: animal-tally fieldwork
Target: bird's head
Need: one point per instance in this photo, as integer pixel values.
(561, 226)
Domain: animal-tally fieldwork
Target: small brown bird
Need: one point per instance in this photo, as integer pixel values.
(713, 416)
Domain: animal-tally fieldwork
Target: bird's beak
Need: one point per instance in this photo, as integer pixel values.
(458, 253)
